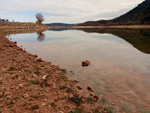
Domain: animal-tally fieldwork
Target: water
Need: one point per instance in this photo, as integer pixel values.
(120, 61)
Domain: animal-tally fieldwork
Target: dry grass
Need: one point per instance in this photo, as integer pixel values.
(21, 27)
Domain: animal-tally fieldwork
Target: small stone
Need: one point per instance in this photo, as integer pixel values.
(10, 46)
(43, 104)
(56, 100)
(65, 94)
(54, 85)
(4, 69)
(90, 89)
(39, 60)
(34, 75)
(20, 85)
(91, 94)
(35, 56)
(25, 95)
(15, 42)
(80, 88)
(95, 97)
(49, 106)
(44, 77)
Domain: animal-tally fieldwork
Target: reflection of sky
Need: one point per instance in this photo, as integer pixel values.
(74, 44)
(32, 37)
(56, 35)
(28, 38)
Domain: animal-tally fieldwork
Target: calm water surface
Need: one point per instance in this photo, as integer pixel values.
(120, 61)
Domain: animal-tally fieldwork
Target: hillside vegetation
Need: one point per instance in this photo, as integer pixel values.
(140, 15)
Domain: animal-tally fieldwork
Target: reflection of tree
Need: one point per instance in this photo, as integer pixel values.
(41, 36)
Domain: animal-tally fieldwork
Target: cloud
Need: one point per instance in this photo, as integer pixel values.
(69, 11)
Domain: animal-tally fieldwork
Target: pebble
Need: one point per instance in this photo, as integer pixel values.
(90, 89)
(39, 60)
(20, 85)
(25, 95)
(43, 104)
(65, 94)
(80, 88)
(44, 77)
(4, 69)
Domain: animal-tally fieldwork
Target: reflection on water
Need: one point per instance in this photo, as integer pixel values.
(41, 36)
(119, 67)
(139, 38)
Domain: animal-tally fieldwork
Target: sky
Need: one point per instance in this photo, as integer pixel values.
(65, 11)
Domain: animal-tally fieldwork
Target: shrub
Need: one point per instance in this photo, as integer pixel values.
(76, 99)
(62, 87)
(69, 90)
(53, 104)
(125, 108)
(11, 69)
(35, 107)
(109, 109)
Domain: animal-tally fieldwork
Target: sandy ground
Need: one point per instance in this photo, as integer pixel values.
(30, 85)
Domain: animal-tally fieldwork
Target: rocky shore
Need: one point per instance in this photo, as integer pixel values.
(30, 85)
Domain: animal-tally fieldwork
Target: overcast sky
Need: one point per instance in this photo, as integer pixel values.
(66, 11)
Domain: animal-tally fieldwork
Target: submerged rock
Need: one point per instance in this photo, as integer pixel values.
(85, 63)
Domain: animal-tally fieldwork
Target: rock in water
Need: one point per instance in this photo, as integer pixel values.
(85, 63)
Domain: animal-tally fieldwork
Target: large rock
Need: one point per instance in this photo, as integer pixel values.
(85, 63)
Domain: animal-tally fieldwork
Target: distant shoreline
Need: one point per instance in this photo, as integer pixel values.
(119, 26)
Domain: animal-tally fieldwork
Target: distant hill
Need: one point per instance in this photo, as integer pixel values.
(139, 15)
(58, 24)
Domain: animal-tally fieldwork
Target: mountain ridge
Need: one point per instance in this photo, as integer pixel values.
(139, 15)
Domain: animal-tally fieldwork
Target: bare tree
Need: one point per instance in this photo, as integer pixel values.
(39, 18)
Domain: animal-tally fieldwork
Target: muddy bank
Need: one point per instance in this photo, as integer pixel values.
(28, 84)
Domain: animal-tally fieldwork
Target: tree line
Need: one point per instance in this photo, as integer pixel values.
(4, 19)
(39, 17)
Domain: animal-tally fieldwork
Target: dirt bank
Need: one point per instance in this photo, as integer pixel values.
(21, 27)
(30, 85)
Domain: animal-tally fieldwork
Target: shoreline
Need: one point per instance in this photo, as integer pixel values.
(30, 84)
(7, 28)
(115, 27)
